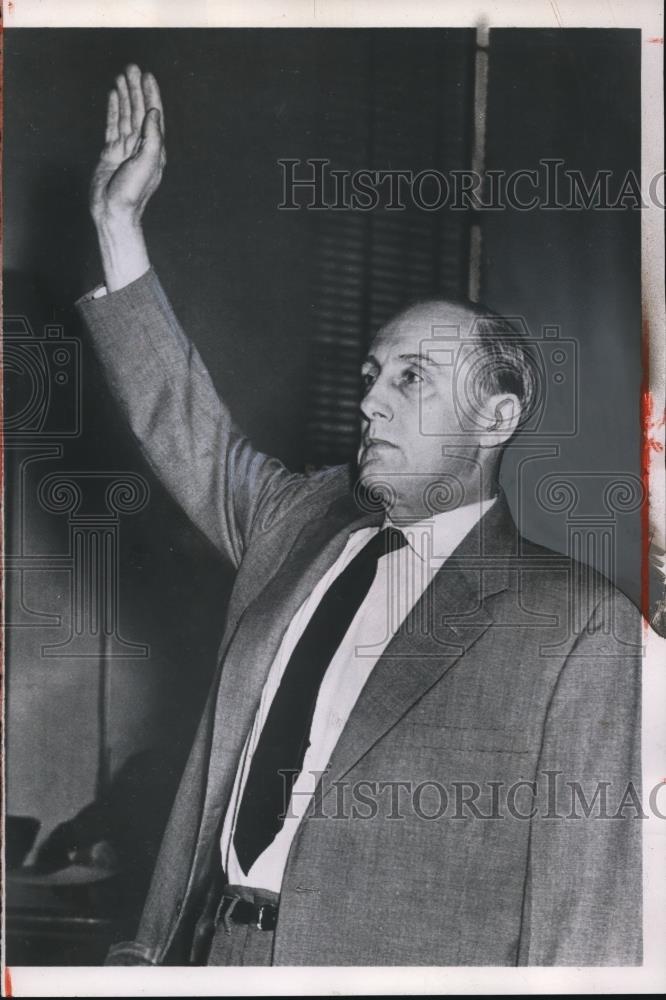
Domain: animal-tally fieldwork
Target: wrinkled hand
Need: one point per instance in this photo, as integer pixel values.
(133, 159)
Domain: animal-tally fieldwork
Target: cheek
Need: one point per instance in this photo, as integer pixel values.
(436, 418)
(421, 437)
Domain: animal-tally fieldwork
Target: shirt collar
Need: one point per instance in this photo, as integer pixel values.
(434, 538)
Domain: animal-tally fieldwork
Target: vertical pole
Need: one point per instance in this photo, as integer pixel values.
(478, 153)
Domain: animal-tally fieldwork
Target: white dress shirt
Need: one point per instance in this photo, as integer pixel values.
(401, 579)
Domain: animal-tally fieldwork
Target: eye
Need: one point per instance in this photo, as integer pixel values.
(367, 379)
(411, 376)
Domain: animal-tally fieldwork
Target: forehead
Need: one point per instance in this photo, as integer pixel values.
(418, 328)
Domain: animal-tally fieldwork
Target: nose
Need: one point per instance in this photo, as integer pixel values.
(375, 403)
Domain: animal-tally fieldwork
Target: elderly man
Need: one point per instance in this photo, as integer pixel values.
(414, 752)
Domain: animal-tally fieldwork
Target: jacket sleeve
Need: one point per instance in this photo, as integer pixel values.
(583, 899)
(228, 489)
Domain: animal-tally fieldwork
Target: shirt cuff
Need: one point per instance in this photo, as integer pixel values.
(101, 291)
(98, 292)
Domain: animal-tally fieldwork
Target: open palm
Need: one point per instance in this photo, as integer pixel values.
(133, 158)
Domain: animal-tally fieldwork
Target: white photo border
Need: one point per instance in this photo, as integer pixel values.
(646, 15)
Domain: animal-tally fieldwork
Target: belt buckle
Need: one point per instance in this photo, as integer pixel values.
(260, 917)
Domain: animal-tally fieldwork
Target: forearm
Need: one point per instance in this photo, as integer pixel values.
(184, 428)
(123, 251)
(165, 392)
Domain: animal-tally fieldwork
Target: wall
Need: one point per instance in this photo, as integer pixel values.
(573, 96)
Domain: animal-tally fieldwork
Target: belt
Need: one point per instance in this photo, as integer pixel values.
(233, 909)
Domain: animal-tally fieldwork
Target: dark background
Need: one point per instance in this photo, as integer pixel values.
(281, 306)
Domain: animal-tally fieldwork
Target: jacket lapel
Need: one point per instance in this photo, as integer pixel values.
(422, 651)
(448, 619)
(445, 622)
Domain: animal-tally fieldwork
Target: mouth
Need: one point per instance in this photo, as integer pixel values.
(376, 443)
(372, 449)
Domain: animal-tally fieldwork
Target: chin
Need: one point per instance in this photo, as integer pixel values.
(375, 486)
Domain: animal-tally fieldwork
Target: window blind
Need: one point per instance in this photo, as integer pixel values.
(400, 102)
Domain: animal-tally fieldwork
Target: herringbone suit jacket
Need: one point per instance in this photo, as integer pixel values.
(448, 829)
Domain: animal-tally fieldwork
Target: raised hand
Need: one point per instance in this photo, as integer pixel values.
(128, 173)
(133, 158)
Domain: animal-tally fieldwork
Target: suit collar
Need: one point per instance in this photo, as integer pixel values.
(492, 538)
(425, 647)
(443, 625)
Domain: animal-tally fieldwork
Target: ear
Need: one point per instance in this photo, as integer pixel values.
(500, 417)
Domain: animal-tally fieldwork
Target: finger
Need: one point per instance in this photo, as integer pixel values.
(151, 96)
(152, 144)
(112, 112)
(137, 108)
(124, 119)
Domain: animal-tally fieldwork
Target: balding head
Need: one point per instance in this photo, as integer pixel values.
(445, 386)
(502, 358)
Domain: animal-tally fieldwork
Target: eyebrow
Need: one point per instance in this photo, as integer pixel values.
(372, 360)
(419, 357)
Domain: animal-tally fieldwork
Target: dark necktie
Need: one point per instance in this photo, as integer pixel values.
(278, 758)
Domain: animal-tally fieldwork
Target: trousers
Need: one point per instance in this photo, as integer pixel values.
(222, 941)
